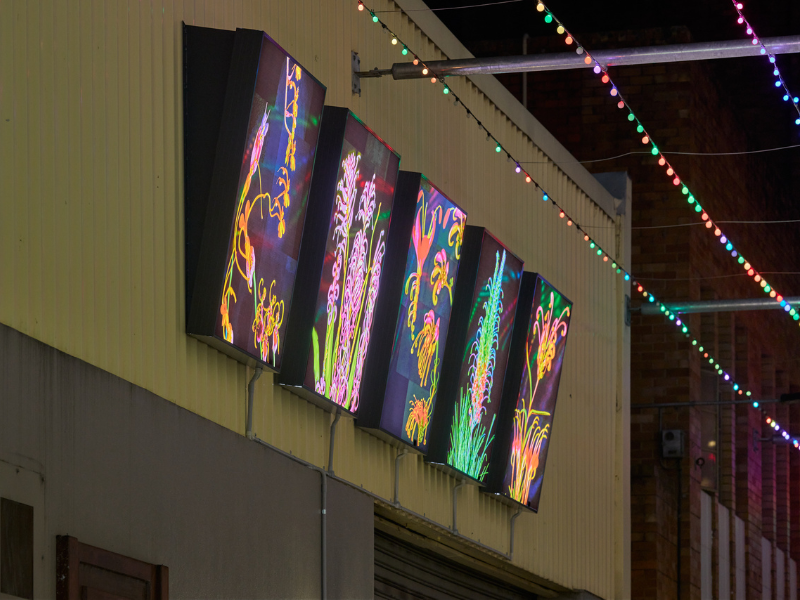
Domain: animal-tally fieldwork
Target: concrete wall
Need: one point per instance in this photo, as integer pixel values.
(120, 468)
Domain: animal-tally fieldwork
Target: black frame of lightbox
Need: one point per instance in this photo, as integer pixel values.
(456, 348)
(514, 370)
(312, 256)
(220, 73)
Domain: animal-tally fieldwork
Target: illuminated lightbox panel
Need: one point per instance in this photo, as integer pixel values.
(529, 396)
(344, 253)
(252, 122)
(466, 422)
(401, 380)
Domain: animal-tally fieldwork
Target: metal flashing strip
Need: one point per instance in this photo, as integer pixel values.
(505, 101)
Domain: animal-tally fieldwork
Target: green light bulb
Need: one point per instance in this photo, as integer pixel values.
(599, 252)
(548, 18)
(698, 208)
(654, 151)
(694, 342)
(374, 17)
(640, 129)
(591, 244)
(631, 117)
(685, 190)
(405, 50)
(446, 90)
(741, 260)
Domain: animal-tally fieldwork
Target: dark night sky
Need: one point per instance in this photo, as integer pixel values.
(747, 81)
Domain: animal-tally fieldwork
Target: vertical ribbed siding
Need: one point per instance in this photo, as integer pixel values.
(91, 241)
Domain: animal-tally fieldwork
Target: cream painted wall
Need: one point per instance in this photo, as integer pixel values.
(91, 242)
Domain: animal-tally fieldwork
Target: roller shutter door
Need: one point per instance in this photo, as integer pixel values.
(406, 572)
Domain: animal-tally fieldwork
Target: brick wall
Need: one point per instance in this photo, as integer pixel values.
(685, 111)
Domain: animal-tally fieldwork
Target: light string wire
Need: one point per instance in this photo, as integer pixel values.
(662, 161)
(779, 82)
(593, 245)
(606, 78)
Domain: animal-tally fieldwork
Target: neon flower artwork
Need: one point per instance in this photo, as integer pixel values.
(264, 244)
(427, 346)
(439, 279)
(422, 238)
(419, 417)
(355, 252)
(544, 352)
(424, 319)
(456, 237)
(469, 437)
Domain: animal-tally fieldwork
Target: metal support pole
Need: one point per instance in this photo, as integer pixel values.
(511, 545)
(397, 476)
(251, 391)
(570, 60)
(660, 405)
(712, 306)
(455, 504)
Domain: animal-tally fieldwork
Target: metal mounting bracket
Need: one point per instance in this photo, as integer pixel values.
(355, 63)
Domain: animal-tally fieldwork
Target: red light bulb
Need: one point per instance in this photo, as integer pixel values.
(645, 139)
(360, 5)
(662, 161)
(717, 232)
(605, 79)
(640, 288)
(585, 238)
(562, 214)
(569, 222)
(670, 171)
(705, 216)
(676, 181)
(568, 40)
(757, 278)
(751, 272)
(708, 224)
(620, 104)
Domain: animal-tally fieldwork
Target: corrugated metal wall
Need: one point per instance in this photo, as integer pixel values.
(91, 240)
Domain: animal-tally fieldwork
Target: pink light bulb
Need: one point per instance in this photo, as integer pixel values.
(749, 31)
(740, 20)
(597, 69)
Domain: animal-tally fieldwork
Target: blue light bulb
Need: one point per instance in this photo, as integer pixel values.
(627, 277)
(776, 72)
(772, 59)
(734, 253)
(545, 197)
(786, 97)
(778, 83)
(729, 246)
(796, 99)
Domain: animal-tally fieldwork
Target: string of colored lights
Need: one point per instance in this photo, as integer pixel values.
(663, 162)
(593, 245)
(779, 82)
